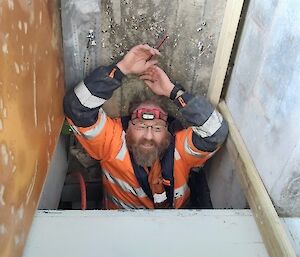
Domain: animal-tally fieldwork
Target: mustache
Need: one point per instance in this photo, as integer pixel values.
(146, 141)
(146, 157)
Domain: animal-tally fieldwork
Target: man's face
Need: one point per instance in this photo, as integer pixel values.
(147, 139)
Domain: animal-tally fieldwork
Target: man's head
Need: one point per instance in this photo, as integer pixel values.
(147, 135)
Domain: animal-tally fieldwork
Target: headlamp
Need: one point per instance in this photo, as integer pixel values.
(149, 114)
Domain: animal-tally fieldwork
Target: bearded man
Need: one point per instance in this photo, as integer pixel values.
(147, 156)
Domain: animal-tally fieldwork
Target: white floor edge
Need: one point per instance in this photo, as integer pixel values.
(157, 233)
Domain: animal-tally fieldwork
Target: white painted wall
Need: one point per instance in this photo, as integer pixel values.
(264, 97)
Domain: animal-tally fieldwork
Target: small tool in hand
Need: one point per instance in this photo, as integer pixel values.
(159, 43)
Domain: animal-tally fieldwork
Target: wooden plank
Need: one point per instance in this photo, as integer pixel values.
(227, 35)
(270, 226)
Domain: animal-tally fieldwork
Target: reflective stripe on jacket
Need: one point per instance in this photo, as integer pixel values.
(120, 183)
(104, 139)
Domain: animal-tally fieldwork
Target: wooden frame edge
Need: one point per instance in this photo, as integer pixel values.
(229, 27)
(267, 220)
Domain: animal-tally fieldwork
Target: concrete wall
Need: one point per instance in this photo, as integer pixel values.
(264, 97)
(193, 27)
(55, 177)
(225, 189)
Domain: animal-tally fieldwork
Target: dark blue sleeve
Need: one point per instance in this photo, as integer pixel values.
(209, 127)
(82, 103)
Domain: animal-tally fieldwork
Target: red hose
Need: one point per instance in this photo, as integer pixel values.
(82, 189)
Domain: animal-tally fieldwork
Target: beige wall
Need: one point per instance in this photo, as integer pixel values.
(31, 91)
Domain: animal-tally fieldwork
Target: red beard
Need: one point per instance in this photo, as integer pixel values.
(146, 152)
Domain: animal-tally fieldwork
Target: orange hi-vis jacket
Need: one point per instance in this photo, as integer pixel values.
(125, 183)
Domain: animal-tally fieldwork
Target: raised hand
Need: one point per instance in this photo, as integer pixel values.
(137, 60)
(158, 81)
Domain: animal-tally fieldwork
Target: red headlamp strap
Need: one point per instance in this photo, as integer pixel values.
(149, 114)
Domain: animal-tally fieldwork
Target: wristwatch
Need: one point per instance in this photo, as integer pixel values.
(176, 92)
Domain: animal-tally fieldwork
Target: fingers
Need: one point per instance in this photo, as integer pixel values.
(151, 63)
(150, 70)
(158, 69)
(150, 50)
(149, 83)
(147, 77)
(154, 51)
(149, 80)
(150, 74)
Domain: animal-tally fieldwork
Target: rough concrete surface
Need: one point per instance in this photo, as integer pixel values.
(193, 27)
(224, 184)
